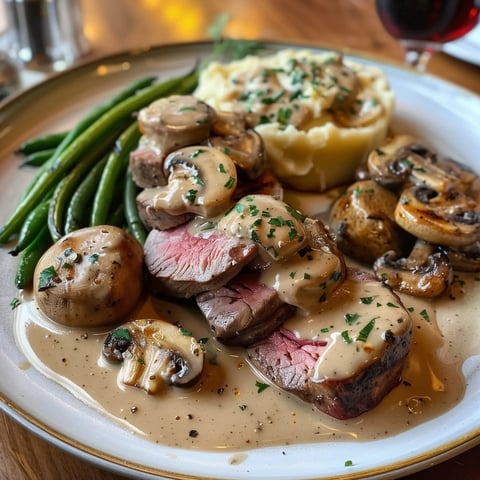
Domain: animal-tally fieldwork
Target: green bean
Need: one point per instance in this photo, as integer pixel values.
(117, 216)
(44, 142)
(88, 120)
(37, 159)
(134, 223)
(93, 138)
(116, 166)
(30, 228)
(30, 257)
(100, 110)
(64, 192)
(76, 216)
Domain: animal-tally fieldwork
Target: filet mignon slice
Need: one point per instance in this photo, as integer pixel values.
(146, 165)
(181, 264)
(295, 364)
(243, 311)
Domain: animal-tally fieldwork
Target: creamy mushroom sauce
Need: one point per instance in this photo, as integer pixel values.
(229, 408)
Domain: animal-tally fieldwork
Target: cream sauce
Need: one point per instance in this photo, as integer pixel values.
(228, 409)
(354, 323)
(268, 222)
(225, 410)
(283, 94)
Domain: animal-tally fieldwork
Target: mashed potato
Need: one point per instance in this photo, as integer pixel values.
(318, 114)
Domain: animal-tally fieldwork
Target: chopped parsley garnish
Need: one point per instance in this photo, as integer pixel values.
(230, 183)
(14, 303)
(198, 180)
(191, 195)
(365, 331)
(367, 300)
(48, 278)
(93, 258)
(121, 333)
(240, 207)
(424, 315)
(196, 153)
(295, 214)
(393, 305)
(351, 318)
(261, 386)
(283, 116)
(346, 336)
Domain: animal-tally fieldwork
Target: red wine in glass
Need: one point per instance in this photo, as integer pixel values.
(423, 25)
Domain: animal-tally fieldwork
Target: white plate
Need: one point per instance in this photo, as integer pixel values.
(466, 48)
(445, 115)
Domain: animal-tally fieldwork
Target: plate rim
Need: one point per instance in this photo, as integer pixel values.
(119, 465)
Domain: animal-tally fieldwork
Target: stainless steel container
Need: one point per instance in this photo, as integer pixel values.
(46, 33)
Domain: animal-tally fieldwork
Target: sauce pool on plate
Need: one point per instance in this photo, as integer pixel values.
(231, 408)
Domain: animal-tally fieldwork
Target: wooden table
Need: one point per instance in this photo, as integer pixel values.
(120, 25)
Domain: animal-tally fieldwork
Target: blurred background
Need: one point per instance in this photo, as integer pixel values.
(111, 26)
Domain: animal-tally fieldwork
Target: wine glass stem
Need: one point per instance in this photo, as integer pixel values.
(418, 58)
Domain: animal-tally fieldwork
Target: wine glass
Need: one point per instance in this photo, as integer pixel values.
(422, 26)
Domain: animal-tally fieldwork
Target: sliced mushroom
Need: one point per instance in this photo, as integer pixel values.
(450, 218)
(154, 353)
(229, 123)
(465, 259)
(363, 224)
(391, 164)
(403, 159)
(201, 180)
(246, 150)
(176, 121)
(425, 273)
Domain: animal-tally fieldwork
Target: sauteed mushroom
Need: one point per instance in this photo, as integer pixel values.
(403, 159)
(451, 218)
(363, 224)
(392, 164)
(465, 259)
(201, 180)
(176, 121)
(425, 273)
(89, 278)
(154, 353)
(246, 150)
(229, 123)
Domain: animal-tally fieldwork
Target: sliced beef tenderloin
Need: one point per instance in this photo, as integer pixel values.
(155, 218)
(146, 165)
(181, 264)
(341, 372)
(243, 311)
